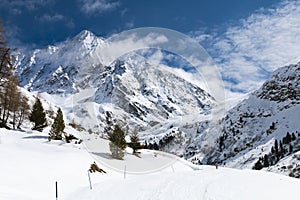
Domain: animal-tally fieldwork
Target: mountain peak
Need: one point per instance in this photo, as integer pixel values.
(84, 34)
(283, 85)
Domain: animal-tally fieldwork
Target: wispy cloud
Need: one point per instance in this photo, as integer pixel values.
(119, 45)
(247, 53)
(129, 24)
(51, 18)
(17, 5)
(92, 7)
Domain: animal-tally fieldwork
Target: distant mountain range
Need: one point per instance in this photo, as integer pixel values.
(165, 108)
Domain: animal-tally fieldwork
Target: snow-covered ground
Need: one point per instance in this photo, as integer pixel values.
(205, 184)
(30, 165)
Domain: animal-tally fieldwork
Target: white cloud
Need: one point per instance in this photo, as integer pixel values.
(156, 57)
(169, 41)
(121, 45)
(129, 25)
(51, 18)
(91, 7)
(28, 4)
(48, 18)
(247, 53)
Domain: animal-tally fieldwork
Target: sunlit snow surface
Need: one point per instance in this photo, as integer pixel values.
(30, 165)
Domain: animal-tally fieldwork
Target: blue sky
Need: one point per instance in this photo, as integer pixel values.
(42, 22)
(247, 39)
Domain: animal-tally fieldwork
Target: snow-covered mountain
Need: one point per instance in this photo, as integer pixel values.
(164, 107)
(54, 68)
(268, 114)
(131, 91)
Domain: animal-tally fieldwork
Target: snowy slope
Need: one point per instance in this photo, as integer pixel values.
(251, 127)
(209, 183)
(31, 165)
(54, 68)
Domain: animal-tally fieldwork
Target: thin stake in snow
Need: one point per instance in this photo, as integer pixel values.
(56, 191)
(90, 180)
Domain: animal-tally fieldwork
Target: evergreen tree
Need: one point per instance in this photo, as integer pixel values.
(145, 145)
(117, 142)
(221, 143)
(155, 146)
(282, 149)
(135, 144)
(288, 138)
(293, 137)
(266, 161)
(258, 165)
(291, 148)
(272, 150)
(276, 147)
(276, 150)
(57, 127)
(38, 116)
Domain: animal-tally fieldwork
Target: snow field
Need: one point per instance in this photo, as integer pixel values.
(30, 165)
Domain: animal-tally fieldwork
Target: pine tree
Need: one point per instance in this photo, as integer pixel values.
(291, 148)
(288, 138)
(277, 153)
(293, 137)
(281, 149)
(117, 142)
(135, 144)
(258, 165)
(272, 150)
(155, 146)
(221, 143)
(57, 127)
(38, 116)
(266, 161)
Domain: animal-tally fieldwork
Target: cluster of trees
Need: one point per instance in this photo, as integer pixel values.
(38, 118)
(278, 151)
(168, 138)
(152, 146)
(13, 105)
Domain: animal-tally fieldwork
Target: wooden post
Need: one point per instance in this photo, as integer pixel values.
(56, 190)
(90, 180)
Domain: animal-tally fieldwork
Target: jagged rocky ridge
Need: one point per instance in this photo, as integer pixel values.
(268, 114)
